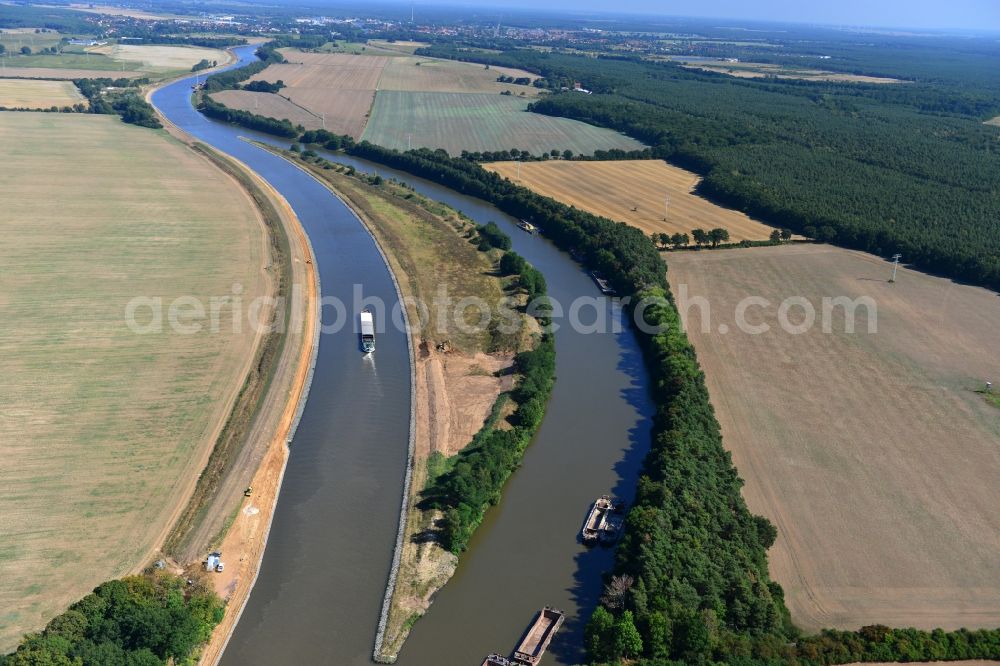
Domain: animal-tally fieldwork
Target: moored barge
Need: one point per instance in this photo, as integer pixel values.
(538, 637)
(604, 522)
(603, 284)
(594, 524)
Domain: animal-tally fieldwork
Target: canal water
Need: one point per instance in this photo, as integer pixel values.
(326, 564)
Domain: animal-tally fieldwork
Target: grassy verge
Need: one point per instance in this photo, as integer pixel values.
(990, 397)
(233, 434)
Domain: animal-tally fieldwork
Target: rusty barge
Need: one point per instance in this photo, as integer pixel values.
(535, 641)
(539, 635)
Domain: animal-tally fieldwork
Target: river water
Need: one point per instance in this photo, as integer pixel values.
(318, 595)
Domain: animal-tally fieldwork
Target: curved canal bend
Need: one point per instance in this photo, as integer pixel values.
(318, 596)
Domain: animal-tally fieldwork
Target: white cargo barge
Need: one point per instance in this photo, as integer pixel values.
(367, 332)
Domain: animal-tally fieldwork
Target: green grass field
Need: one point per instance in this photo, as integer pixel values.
(103, 430)
(480, 122)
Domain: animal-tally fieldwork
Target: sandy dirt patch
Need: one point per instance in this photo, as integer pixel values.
(454, 396)
(261, 462)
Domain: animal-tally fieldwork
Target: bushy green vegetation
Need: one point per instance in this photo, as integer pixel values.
(621, 252)
(264, 86)
(903, 168)
(490, 235)
(327, 139)
(148, 620)
(124, 99)
(231, 79)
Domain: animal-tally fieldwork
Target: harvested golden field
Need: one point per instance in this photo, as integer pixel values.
(417, 74)
(337, 86)
(994, 121)
(104, 430)
(326, 70)
(268, 104)
(157, 59)
(634, 192)
(33, 94)
(872, 453)
(400, 46)
(758, 70)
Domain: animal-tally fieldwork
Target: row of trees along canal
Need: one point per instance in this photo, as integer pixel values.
(691, 582)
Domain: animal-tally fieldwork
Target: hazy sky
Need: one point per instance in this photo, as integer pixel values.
(974, 14)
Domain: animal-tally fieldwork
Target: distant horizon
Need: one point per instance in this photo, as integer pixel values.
(924, 15)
